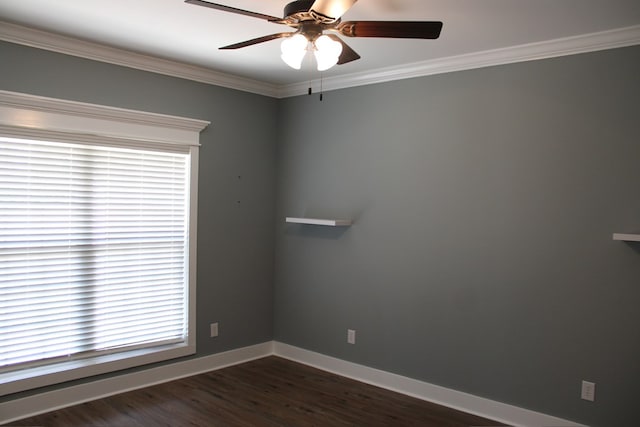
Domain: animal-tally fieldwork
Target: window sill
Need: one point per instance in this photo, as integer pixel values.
(31, 378)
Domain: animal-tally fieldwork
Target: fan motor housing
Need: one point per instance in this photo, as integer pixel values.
(298, 6)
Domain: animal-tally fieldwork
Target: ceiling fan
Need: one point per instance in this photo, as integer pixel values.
(311, 18)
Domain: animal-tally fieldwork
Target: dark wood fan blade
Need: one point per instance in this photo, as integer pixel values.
(391, 29)
(347, 54)
(258, 40)
(233, 10)
(331, 10)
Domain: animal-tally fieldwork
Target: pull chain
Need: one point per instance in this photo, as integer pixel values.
(310, 80)
(310, 90)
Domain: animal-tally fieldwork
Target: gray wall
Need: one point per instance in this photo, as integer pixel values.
(235, 215)
(481, 257)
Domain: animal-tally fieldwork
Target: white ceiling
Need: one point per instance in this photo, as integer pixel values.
(174, 30)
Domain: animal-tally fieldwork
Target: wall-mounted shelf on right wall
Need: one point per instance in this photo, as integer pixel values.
(627, 237)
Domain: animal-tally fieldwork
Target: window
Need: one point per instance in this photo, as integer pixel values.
(97, 239)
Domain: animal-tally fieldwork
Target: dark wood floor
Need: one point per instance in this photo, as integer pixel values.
(265, 392)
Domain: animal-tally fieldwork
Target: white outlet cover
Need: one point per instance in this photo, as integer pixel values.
(588, 391)
(213, 332)
(351, 336)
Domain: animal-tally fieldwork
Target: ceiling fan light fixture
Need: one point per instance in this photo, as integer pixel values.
(293, 50)
(327, 52)
(311, 18)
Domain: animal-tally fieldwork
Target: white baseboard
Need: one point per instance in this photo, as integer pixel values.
(17, 409)
(497, 411)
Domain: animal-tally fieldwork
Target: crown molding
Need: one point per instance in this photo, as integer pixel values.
(621, 37)
(71, 46)
(611, 39)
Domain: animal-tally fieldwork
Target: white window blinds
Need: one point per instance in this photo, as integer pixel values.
(93, 250)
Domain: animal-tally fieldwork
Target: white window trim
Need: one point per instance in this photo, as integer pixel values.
(32, 116)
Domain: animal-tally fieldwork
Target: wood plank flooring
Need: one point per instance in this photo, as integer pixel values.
(267, 392)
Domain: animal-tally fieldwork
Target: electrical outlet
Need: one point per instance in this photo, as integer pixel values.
(588, 391)
(213, 330)
(351, 336)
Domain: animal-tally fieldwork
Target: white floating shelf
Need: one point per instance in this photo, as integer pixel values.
(316, 221)
(627, 237)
